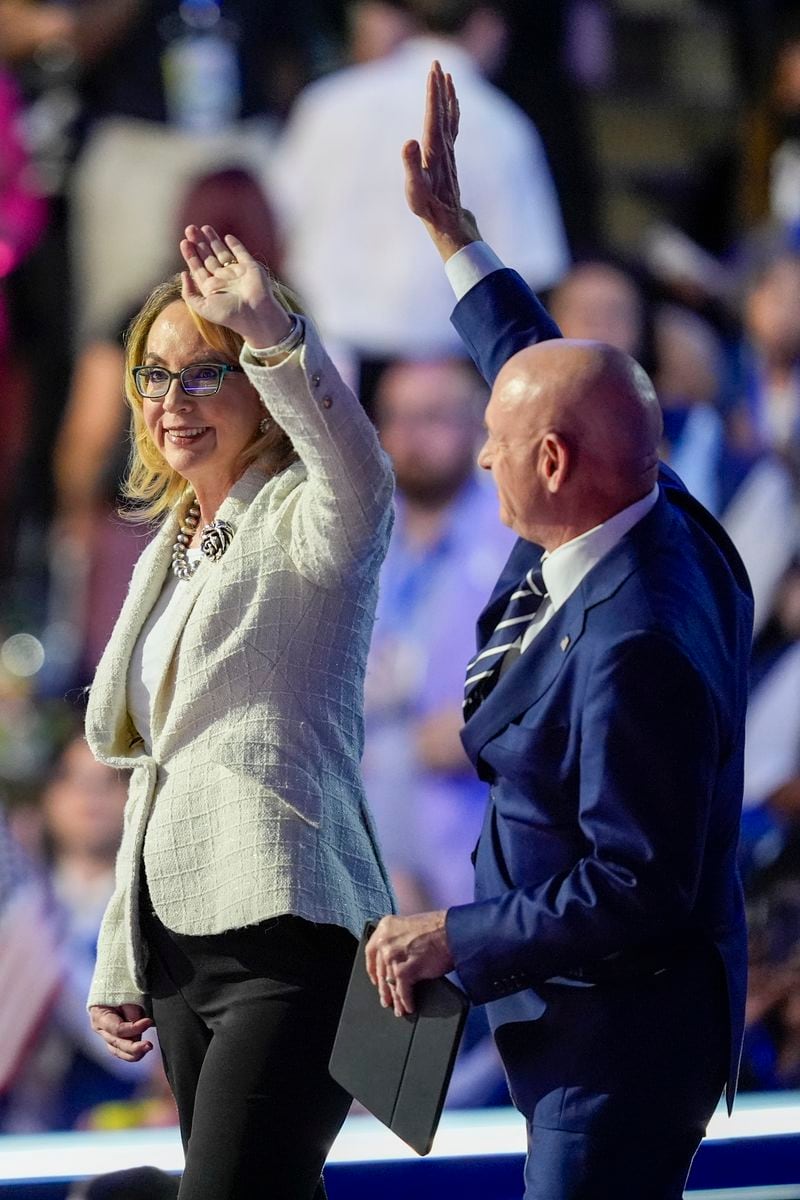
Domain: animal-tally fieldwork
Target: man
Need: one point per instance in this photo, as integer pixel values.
(447, 540)
(355, 254)
(607, 934)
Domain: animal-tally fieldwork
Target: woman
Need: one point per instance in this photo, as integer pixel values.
(232, 685)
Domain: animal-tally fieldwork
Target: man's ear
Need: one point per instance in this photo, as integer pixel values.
(554, 461)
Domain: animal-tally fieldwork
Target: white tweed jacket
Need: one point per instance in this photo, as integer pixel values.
(251, 804)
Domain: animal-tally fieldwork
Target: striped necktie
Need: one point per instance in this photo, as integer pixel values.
(485, 669)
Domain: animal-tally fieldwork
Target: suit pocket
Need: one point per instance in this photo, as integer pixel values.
(536, 780)
(539, 751)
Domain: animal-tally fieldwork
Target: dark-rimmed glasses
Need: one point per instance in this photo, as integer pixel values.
(198, 379)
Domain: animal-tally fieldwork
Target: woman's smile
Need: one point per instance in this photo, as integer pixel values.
(185, 435)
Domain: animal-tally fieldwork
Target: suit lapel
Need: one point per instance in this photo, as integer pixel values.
(524, 555)
(534, 672)
(108, 727)
(524, 683)
(232, 510)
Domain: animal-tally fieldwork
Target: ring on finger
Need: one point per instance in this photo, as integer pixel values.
(389, 981)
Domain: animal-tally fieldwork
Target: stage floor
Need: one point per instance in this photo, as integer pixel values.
(754, 1155)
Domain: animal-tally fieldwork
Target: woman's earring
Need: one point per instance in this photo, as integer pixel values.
(265, 424)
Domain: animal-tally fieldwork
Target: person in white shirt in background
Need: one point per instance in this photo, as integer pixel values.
(356, 254)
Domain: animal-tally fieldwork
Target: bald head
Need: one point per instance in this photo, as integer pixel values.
(574, 428)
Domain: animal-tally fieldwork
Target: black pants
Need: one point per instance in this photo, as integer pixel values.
(246, 1021)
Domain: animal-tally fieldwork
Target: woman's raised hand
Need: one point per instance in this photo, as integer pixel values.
(224, 284)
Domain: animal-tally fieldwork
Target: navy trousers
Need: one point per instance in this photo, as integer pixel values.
(617, 1082)
(246, 1021)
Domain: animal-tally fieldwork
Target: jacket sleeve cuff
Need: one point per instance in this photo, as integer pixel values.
(462, 926)
(114, 999)
(489, 966)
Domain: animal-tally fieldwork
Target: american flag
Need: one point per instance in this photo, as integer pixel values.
(30, 959)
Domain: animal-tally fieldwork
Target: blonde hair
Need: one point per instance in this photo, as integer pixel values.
(151, 484)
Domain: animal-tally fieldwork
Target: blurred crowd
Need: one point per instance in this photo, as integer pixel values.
(121, 121)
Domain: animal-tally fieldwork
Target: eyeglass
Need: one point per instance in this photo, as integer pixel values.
(198, 379)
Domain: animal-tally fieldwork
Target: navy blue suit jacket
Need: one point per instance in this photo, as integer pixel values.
(613, 746)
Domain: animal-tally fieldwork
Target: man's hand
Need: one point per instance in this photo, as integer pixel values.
(432, 189)
(403, 950)
(121, 1028)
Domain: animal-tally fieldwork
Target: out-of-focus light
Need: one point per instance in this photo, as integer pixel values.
(6, 259)
(22, 655)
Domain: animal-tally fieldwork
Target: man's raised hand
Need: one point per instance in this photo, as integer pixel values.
(432, 190)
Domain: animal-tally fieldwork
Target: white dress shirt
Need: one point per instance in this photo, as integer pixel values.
(360, 260)
(469, 265)
(564, 568)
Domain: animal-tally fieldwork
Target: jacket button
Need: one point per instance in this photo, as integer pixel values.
(327, 401)
(315, 380)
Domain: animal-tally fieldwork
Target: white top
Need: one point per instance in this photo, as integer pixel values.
(152, 646)
(362, 262)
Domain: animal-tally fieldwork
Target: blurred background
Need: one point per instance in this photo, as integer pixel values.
(637, 160)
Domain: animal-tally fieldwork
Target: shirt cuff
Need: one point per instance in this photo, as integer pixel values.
(469, 265)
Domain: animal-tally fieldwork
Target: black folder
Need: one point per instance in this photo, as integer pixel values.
(399, 1068)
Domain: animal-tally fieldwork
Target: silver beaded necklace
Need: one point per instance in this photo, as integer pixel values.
(214, 541)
